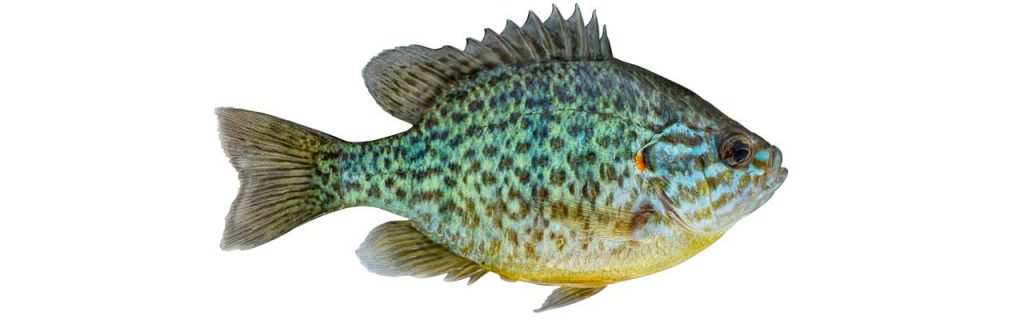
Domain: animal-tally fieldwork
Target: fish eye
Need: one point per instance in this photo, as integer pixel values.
(735, 150)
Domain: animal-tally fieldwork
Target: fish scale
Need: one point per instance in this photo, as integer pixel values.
(534, 154)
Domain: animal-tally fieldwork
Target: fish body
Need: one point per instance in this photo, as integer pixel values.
(515, 188)
(534, 154)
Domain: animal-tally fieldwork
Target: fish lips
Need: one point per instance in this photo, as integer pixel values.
(777, 174)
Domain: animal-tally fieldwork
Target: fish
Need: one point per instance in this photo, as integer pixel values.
(534, 154)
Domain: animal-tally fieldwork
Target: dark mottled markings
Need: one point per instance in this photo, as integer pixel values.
(556, 143)
(497, 222)
(448, 206)
(473, 129)
(431, 195)
(541, 160)
(591, 191)
(608, 172)
(523, 175)
(522, 147)
(489, 151)
(494, 102)
(513, 194)
(558, 176)
(432, 171)
(474, 220)
(513, 238)
(488, 178)
(505, 120)
(541, 193)
(540, 133)
(458, 116)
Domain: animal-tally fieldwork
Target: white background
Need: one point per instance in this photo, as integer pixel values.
(898, 121)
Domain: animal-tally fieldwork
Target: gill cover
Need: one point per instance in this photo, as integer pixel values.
(705, 179)
(673, 165)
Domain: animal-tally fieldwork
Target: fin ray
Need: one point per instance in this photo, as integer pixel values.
(564, 296)
(276, 163)
(599, 220)
(397, 248)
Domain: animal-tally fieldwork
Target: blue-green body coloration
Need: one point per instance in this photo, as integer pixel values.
(534, 155)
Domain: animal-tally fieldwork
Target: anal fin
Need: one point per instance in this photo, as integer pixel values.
(564, 296)
(397, 248)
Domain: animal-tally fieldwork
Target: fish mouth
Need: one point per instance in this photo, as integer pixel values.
(777, 173)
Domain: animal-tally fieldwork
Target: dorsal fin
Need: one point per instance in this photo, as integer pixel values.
(406, 80)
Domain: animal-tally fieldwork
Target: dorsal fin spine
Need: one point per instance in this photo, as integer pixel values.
(541, 39)
(488, 58)
(593, 36)
(555, 27)
(507, 48)
(466, 61)
(606, 48)
(576, 23)
(525, 44)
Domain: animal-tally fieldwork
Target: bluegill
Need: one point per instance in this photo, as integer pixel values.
(534, 154)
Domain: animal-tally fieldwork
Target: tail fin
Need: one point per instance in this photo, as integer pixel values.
(277, 163)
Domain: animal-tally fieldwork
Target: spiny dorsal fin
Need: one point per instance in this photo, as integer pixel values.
(406, 80)
(397, 248)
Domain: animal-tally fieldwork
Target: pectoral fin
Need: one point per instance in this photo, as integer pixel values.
(599, 220)
(564, 296)
(396, 248)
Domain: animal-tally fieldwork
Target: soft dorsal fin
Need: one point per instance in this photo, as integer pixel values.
(405, 80)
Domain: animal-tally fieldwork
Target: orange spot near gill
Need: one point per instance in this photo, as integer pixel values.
(640, 164)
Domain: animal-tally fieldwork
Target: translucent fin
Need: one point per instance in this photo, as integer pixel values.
(472, 271)
(276, 163)
(396, 248)
(601, 221)
(564, 296)
(406, 80)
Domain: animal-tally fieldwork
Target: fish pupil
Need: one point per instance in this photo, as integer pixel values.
(740, 154)
(736, 151)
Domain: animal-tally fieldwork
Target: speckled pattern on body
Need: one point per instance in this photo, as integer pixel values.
(566, 168)
(557, 139)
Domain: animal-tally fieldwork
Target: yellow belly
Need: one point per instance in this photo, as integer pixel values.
(605, 261)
